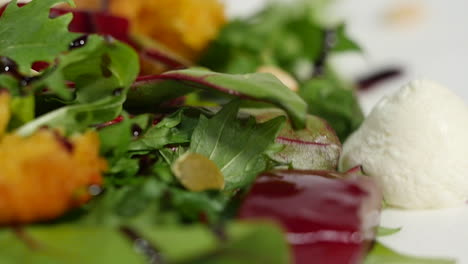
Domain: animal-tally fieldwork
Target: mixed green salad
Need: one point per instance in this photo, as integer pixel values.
(178, 151)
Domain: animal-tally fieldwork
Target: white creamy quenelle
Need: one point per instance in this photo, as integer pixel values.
(415, 145)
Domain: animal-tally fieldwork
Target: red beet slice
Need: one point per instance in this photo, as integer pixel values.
(327, 220)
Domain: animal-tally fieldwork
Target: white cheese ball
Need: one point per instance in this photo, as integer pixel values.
(415, 145)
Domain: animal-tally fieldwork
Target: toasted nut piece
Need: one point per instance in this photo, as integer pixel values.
(283, 76)
(198, 173)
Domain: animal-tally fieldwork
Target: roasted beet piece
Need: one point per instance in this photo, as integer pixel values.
(327, 219)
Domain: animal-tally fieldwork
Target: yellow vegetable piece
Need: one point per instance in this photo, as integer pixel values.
(4, 111)
(198, 173)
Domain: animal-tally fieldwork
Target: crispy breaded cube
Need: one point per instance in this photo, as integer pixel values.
(42, 176)
(184, 26)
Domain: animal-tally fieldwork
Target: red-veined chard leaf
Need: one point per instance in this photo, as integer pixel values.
(150, 91)
(316, 147)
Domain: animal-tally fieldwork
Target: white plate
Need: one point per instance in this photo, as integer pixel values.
(433, 45)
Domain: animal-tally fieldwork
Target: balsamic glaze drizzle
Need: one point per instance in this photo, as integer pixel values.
(136, 130)
(7, 65)
(79, 42)
(143, 246)
(372, 79)
(117, 92)
(329, 41)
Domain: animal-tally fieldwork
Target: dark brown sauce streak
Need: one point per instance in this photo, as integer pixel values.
(8, 66)
(219, 230)
(372, 79)
(329, 41)
(136, 130)
(66, 144)
(143, 246)
(22, 235)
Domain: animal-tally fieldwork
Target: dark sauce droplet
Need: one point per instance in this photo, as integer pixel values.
(136, 130)
(79, 42)
(219, 230)
(25, 81)
(7, 65)
(146, 162)
(64, 141)
(117, 92)
(143, 246)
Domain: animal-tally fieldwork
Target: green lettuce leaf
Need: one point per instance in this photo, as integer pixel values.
(284, 35)
(27, 34)
(335, 102)
(386, 231)
(77, 117)
(97, 69)
(259, 243)
(235, 147)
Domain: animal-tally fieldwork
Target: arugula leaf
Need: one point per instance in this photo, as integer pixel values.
(173, 129)
(27, 34)
(234, 147)
(381, 254)
(258, 86)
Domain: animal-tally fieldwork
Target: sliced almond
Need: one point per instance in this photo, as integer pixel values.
(198, 173)
(283, 76)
